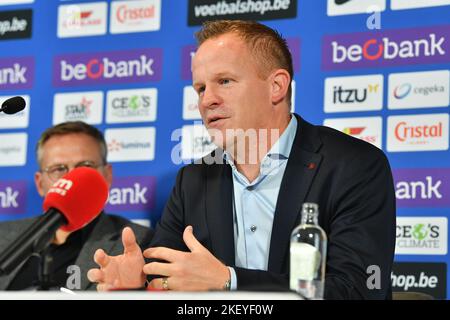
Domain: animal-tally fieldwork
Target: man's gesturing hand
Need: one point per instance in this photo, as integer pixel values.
(197, 270)
(119, 272)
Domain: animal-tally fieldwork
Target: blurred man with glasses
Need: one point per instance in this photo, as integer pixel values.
(59, 150)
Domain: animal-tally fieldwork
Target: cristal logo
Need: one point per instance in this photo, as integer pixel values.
(373, 49)
(341, 95)
(78, 111)
(125, 14)
(402, 91)
(403, 131)
(62, 186)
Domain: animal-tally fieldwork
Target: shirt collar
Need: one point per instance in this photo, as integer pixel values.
(281, 149)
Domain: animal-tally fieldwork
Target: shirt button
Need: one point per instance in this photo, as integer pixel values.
(253, 228)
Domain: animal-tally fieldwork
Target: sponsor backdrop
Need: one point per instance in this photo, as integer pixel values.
(375, 69)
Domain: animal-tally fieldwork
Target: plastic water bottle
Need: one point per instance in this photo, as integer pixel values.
(308, 252)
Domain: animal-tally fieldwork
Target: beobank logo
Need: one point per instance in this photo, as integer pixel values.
(140, 65)
(390, 48)
(425, 132)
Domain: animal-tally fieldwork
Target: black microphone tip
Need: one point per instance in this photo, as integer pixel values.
(13, 105)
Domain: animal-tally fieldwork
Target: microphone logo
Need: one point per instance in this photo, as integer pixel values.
(61, 187)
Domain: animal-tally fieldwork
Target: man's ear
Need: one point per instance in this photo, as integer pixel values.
(280, 85)
(38, 181)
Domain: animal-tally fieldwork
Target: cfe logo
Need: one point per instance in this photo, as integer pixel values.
(109, 67)
(421, 235)
(135, 105)
(396, 47)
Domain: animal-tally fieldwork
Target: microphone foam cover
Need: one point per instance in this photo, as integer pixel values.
(80, 196)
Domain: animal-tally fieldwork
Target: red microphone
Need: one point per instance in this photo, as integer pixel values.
(79, 196)
(72, 202)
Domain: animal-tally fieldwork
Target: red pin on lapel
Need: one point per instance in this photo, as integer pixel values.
(311, 166)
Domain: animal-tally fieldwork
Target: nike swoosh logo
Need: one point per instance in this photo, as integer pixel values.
(339, 2)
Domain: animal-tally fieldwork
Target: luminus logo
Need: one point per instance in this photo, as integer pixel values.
(114, 146)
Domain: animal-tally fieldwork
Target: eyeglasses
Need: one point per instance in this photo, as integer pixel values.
(59, 170)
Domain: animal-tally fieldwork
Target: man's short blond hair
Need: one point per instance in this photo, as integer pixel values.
(268, 47)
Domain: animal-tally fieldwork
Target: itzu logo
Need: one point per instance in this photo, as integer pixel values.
(360, 93)
(422, 187)
(109, 67)
(16, 73)
(397, 47)
(421, 235)
(13, 197)
(136, 105)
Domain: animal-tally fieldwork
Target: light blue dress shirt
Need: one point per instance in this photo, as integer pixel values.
(255, 202)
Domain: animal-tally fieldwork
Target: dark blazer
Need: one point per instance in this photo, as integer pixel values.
(349, 179)
(106, 234)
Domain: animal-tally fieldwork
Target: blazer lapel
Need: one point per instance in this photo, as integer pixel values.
(219, 211)
(301, 168)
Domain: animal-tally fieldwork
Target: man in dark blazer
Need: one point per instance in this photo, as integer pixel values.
(68, 258)
(242, 73)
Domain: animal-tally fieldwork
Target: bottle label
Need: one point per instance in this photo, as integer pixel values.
(305, 263)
